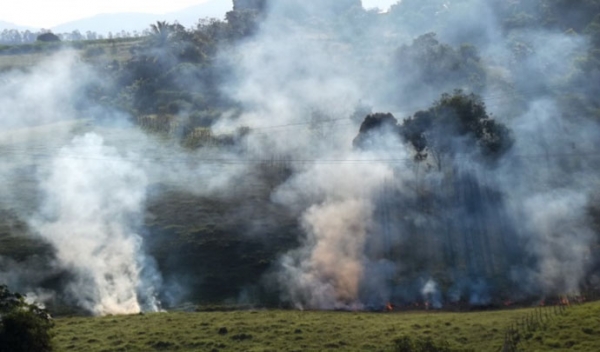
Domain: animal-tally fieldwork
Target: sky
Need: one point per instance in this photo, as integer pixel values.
(47, 14)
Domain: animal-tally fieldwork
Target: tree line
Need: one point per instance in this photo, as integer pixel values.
(17, 37)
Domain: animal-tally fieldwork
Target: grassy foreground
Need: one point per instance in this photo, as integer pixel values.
(577, 330)
(285, 330)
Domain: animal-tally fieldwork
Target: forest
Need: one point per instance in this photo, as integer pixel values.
(308, 155)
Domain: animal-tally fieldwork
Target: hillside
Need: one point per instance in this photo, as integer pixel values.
(7, 25)
(307, 155)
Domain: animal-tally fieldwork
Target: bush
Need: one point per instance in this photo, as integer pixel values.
(22, 330)
(23, 327)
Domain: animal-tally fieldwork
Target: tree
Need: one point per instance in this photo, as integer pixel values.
(242, 23)
(457, 122)
(372, 126)
(429, 68)
(257, 5)
(23, 327)
(48, 37)
(412, 14)
(160, 32)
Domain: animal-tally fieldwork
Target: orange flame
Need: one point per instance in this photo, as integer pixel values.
(389, 307)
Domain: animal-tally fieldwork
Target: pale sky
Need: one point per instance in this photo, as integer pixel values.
(47, 14)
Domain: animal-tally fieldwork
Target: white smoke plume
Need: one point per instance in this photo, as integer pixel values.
(327, 271)
(377, 226)
(93, 208)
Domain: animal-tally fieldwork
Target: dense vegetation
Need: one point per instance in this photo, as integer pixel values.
(23, 326)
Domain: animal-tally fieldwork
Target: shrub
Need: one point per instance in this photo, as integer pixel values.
(23, 327)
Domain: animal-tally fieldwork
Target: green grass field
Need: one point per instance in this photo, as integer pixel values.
(28, 55)
(578, 329)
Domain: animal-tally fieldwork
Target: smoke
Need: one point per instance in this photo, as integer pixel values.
(550, 182)
(94, 204)
(562, 239)
(326, 272)
(90, 198)
(377, 232)
(32, 103)
(431, 294)
(376, 225)
(47, 93)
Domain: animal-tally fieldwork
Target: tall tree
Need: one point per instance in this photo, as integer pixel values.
(456, 123)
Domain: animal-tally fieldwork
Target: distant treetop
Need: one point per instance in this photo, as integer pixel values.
(48, 37)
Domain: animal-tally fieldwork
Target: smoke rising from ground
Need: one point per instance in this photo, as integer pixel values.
(483, 217)
(90, 198)
(377, 224)
(327, 270)
(94, 203)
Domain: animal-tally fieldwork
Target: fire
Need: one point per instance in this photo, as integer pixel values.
(565, 301)
(508, 303)
(389, 307)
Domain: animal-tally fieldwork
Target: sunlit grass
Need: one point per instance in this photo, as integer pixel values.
(578, 329)
(28, 55)
(279, 331)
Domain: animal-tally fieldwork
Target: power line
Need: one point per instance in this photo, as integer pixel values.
(258, 161)
(494, 97)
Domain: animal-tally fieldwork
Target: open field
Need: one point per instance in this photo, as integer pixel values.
(578, 329)
(28, 55)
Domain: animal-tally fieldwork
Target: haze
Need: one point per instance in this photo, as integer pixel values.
(36, 14)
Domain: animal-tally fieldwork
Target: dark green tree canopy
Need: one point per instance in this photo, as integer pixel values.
(457, 122)
(48, 37)
(257, 5)
(559, 14)
(439, 63)
(429, 68)
(24, 327)
(373, 125)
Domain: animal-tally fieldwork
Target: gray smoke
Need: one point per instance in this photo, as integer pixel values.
(377, 225)
(360, 213)
(94, 204)
(90, 197)
(326, 272)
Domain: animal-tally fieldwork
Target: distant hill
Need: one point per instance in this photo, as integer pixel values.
(7, 25)
(116, 22)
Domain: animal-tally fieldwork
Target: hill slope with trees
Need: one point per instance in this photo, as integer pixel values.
(310, 155)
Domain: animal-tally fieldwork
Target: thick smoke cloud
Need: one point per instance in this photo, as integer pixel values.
(377, 225)
(83, 198)
(520, 224)
(94, 201)
(327, 271)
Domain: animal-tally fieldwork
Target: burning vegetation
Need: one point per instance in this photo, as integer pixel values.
(312, 155)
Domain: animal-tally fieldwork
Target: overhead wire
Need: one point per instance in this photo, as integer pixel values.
(40, 151)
